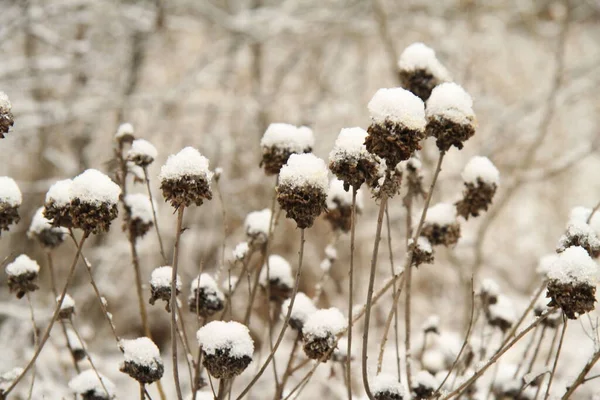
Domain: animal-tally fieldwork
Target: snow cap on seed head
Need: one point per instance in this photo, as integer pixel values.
(9, 192)
(289, 137)
(279, 269)
(480, 168)
(142, 152)
(573, 266)
(125, 132)
(163, 277)
(398, 106)
(452, 102)
(387, 383)
(303, 308)
(257, 223)
(304, 170)
(88, 384)
(419, 56)
(22, 265)
(221, 335)
(324, 323)
(188, 162)
(94, 187)
(350, 143)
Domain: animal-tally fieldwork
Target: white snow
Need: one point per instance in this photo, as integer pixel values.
(545, 263)
(60, 193)
(342, 348)
(226, 335)
(257, 222)
(67, 303)
(337, 192)
(9, 192)
(423, 244)
(325, 322)
(387, 383)
(22, 265)
(188, 162)
(441, 214)
(124, 130)
(162, 277)
(74, 341)
(450, 101)
(350, 144)
(489, 287)
(419, 56)
(414, 163)
(279, 269)
(574, 265)
(5, 104)
(503, 309)
(286, 136)
(331, 252)
(433, 360)
(303, 308)
(39, 223)
(582, 231)
(87, 382)
(581, 214)
(93, 187)
(142, 147)
(140, 207)
(241, 250)
(204, 281)
(304, 170)
(426, 380)
(141, 351)
(398, 106)
(431, 323)
(480, 168)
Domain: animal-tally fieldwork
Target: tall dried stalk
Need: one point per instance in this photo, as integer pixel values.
(174, 305)
(351, 294)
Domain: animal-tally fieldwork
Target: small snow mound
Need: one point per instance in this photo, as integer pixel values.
(161, 277)
(441, 214)
(88, 383)
(303, 308)
(188, 162)
(451, 101)
(489, 287)
(67, 303)
(125, 129)
(257, 222)
(503, 309)
(220, 335)
(326, 322)
(279, 270)
(140, 207)
(423, 244)
(286, 136)
(22, 265)
(545, 263)
(9, 192)
(480, 168)
(419, 56)
(432, 323)
(142, 148)
(204, 281)
(240, 251)
(426, 380)
(350, 143)
(5, 104)
(304, 170)
(398, 106)
(574, 265)
(94, 187)
(60, 193)
(386, 383)
(141, 351)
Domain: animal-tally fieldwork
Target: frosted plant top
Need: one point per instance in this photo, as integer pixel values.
(481, 168)
(60, 192)
(279, 269)
(162, 277)
(305, 170)
(9, 192)
(427, 380)
(290, 137)
(423, 244)
(387, 383)
(337, 192)
(575, 266)
(503, 309)
(142, 147)
(257, 222)
(87, 381)
(489, 287)
(188, 162)
(350, 143)
(451, 101)
(94, 187)
(125, 129)
(4, 102)
(220, 335)
(419, 56)
(204, 281)
(303, 308)
(67, 303)
(545, 262)
(39, 223)
(323, 323)
(22, 265)
(441, 214)
(141, 351)
(398, 106)
(140, 207)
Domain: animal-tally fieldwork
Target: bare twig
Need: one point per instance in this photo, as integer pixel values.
(154, 218)
(351, 294)
(174, 305)
(560, 343)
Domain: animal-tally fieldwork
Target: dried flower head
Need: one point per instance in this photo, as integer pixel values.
(420, 70)
(160, 286)
(185, 178)
(319, 333)
(75, 345)
(481, 179)
(226, 348)
(450, 116)
(422, 251)
(414, 178)
(397, 125)
(431, 325)
(580, 234)
(303, 308)
(89, 387)
(277, 275)
(302, 189)
(280, 141)
(424, 385)
(138, 215)
(57, 206)
(125, 133)
(572, 282)
(351, 162)
(6, 117)
(67, 307)
(441, 226)
(142, 360)
(241, 251)
(257, 226)
(501, 314)
(22, 275)
(387, 387)
(10, 200)
(206, 298)
(41, 229)
(142, 153)
(339, 206)
(488, 292)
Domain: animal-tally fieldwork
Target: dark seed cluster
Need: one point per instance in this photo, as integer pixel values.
(92, 217)
(446, 235)
(8, 215)
(476, 198)
(302, 204)
(573, 298)
(205, 302)
(275, 157)
(448, 133)
(419, 81)
(186, 190)
(222, 365)
(393, 142)
(143, 373)
(23, 283)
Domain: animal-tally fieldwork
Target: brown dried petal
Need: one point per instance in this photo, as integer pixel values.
(448, 133)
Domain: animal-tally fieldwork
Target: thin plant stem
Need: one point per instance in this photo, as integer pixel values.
(560, 343)
(394, 289)
(388, 325)
(288, 368)
(174, 306)
(89, 358)
(142, 391)
(138, 284)
(351, 294)
(35, 341)
(46, 334)
(581, 379)
(154, 218)
(222, 389)
(185, 343)
(285, 322)
(528, 349)
(536, 350)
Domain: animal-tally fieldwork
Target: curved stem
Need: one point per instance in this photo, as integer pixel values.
(350, 294)
(174, 305)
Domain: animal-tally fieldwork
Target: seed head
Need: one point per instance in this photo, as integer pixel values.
(22, 275)
(160, 286)
(142, 360)
(138, 215)
(6, 116)
(227, 348)
(206, 298)
(142, 153)
(10, 200)
(420, 70)
(185, 178)
(282, 140)
(440, 225)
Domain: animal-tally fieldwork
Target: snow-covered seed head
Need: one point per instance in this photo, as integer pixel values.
(57, 205)
(22, 275)
(303, 308)
(450, 116)
(6, 117)
(580, 234)
(441, 226)
(76, 346)
(67, 307)
(94, 198)
(206, 298)
(431, 325)
(351, 162)
(501, 314)
(339, 206)
(41, 229)
(227, 348)
(481, 179)
(89, 387)
(282, 140)
(10, 200)
(488, 292)
(138, 215)
(572, 282)
(319, 333)
(257, 226)
(414, 178)
(160, 285)
(424, 385)
(302, 189)
(142, 360)
(277, 275)
(241, 251)
(386, 387)
(142, 153)
(125, 134)
(422, 251)
(420, 70)
(397, 125)
(185, 178)
(329, 260)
